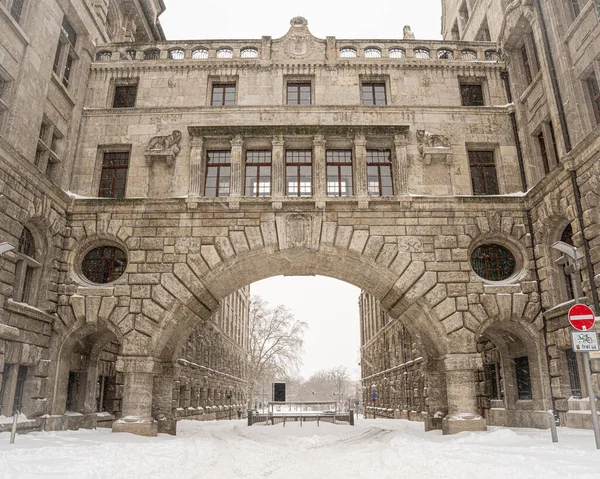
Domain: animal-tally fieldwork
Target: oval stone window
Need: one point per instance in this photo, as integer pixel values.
(104, 264)
(493, 262)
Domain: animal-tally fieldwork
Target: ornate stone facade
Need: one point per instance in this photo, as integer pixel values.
(297, 156)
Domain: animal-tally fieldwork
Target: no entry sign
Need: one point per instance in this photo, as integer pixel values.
(581, 317)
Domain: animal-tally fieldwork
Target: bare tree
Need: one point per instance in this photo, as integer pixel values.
(276, 339)
(339, 378)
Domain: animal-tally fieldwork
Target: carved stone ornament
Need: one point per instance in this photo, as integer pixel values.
(431, 146)
(163, 148)
(408, 33)
(299, 231)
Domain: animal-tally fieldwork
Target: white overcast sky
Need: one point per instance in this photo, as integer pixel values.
(330, 307)
(233, 19)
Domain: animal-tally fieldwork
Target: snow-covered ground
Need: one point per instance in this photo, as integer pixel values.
(378, 448)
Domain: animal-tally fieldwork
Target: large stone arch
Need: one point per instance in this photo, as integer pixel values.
(239, 271)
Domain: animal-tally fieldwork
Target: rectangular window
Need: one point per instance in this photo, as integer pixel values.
(379, 173)
(526, 66)
(298, 172)
(373, 94)
(218, 174)
(16, 10)
(39, 156)
(523, 378)
(113, 179)
(594, 92)
(18, 397)
(258, 173)
(223, 94)
(25, 295)
(339, 172)
(125, 96)
(483, 173)
(573, 369)
(471, 95)
(67, 71)
(73, 391)
(298, 94)
(65, 52)
(492, 377)
(543, 152)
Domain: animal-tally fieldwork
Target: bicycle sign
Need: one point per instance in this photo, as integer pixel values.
(585, 341)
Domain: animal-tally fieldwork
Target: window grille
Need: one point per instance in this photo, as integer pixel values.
(249, 53)
(104, 264)
(397, 53)
(348, 52)
(225, 53)
(176, 54)
(471, 95)
(493, 262)
(200, 53)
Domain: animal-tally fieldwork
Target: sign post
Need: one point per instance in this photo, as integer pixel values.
(581, 318)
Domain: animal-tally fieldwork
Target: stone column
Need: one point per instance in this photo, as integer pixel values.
(400, 166)
(319, 169)
(360, 166)
(236, 167)
(278, 168)
(162, 405)
(461, 387)
(137, 395)
(197, 168)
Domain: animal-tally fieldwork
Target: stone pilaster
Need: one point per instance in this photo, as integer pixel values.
(400, 166)
(319, 169)
(197, 167)
(162, 405)
(278, 168)
(360, 167)
(137, 395)
(236, 167)
(461, 387)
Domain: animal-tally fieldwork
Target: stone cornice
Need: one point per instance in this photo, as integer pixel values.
(261, 65)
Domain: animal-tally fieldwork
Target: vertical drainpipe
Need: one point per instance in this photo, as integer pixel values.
(554, 79)
(513, 120)
(586, 243)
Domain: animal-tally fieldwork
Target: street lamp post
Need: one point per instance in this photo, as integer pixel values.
(570, 260)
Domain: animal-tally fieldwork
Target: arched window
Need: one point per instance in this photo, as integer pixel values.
(103, 56)
(152, 54)
(27, 269)
(225, 53)
(372, 52)
(567, 237)
(200, 53)
(445, 54)
(348, 52)
(469, 55)
(397, 53)
(104, 264)
(422, 53)
(492, 56)
(249, 53)
(176, 54)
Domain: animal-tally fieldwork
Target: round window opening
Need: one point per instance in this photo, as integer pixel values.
(493, 262)
(104, 264)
